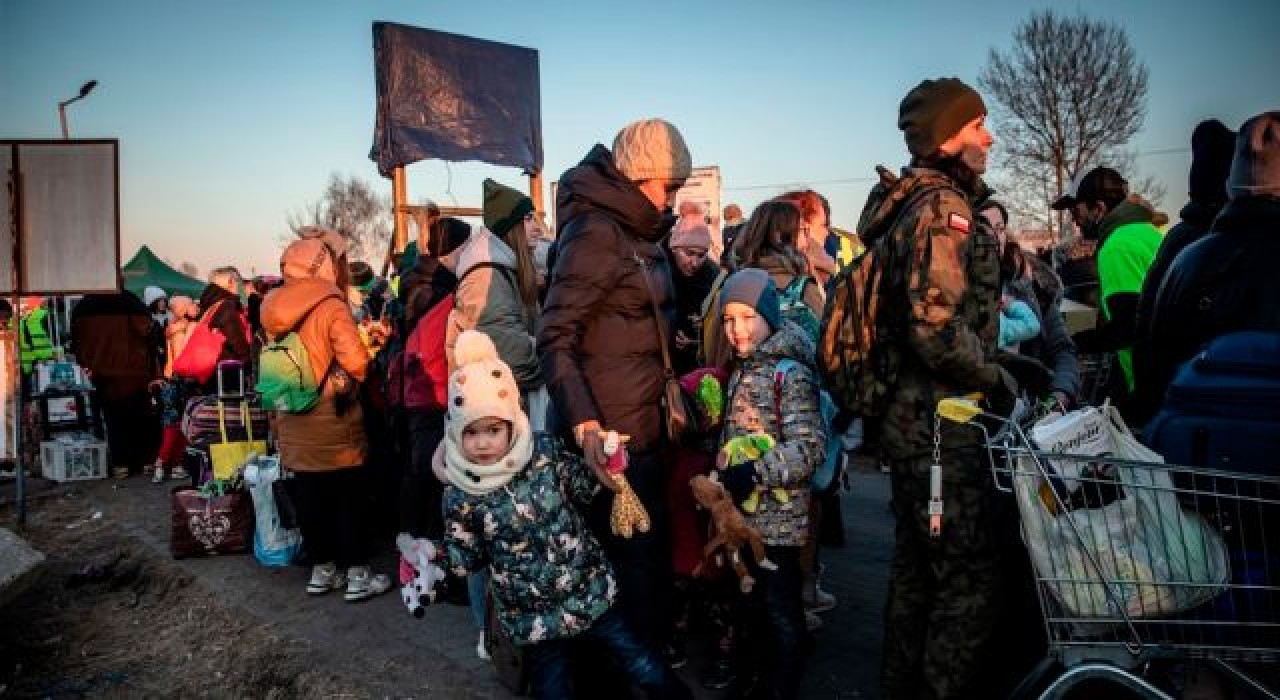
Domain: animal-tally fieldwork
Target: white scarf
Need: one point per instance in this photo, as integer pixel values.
(478, 479)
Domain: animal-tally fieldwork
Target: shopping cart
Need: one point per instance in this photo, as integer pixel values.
(1142, 569)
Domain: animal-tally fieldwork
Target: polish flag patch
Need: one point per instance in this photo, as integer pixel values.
(955, 222)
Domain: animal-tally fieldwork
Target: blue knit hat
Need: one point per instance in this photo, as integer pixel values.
(753, 287)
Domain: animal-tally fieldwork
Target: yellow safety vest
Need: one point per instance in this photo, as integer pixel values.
(35, 343)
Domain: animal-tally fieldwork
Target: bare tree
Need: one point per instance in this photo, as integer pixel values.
(351, 206)
(1068, 95)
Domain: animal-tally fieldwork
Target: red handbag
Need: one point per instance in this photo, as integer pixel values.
(199, 359)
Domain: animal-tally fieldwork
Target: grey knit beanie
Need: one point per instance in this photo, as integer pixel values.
(753, 287)
(1255, 169)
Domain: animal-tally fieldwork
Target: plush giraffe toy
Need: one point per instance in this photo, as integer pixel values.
(629, 515)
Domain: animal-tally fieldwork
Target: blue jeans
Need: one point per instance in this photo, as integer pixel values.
(477, 588)
(549, 662)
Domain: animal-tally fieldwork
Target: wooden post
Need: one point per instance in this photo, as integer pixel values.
(535, 192)
(400, 200)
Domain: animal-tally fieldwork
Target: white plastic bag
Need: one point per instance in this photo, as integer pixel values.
(1156, 558)
(273, 545)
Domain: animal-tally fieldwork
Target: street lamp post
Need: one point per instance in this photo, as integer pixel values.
(62, 106)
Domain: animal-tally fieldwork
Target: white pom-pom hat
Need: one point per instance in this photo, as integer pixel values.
(482, 386)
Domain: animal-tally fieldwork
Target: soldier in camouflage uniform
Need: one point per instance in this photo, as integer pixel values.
(945, 307)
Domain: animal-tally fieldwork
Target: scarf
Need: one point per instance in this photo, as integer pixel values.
(480, 479)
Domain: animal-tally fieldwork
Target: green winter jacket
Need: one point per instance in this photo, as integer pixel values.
(549, 575)
(1128, 243)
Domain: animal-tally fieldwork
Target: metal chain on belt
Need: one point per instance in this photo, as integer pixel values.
(935, 480)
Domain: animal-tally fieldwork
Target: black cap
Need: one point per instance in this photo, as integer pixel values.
(1098, 185)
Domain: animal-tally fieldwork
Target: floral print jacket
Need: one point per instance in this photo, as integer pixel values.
(549, 575)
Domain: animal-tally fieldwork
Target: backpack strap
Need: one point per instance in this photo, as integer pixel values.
(780, 371)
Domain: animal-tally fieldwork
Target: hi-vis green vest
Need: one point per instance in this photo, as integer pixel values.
(34, 338)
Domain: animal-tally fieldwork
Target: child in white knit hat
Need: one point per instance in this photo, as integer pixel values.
(509, 507)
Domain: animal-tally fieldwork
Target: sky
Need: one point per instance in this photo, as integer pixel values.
(232, 115)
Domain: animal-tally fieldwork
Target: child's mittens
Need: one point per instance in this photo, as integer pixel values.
(741, 481)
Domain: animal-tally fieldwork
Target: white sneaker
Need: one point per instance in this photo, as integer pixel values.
(325, 578)
(817, 600)
(480, 650)
(158, 476)
(363, 585)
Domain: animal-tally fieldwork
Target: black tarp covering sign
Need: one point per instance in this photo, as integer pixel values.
(454, 98)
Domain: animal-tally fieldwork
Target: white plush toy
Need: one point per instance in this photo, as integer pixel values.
(419, 573)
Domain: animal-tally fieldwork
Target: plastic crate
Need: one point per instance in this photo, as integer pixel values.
(73, 460)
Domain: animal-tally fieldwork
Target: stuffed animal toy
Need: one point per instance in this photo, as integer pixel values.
(419, 573)
(628, 515)
(750, 448)
(730, 533)
(706, 386)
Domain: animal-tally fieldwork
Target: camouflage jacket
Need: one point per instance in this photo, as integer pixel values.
(793, 418)
(948, 323)
(550, 577)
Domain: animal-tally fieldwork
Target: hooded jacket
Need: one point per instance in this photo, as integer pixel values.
(1223, 283)
(1127, 245)
(946, 307)
(793, 417)
(488, 300)
(598, 338)
(1040, 286)
(325, 438)
(550, 577)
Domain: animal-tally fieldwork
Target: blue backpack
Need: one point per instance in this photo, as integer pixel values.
(827, 475)
(1223, 408)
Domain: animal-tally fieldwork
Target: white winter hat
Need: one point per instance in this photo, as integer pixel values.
(483, 387)
(151, 295)
(652, 149)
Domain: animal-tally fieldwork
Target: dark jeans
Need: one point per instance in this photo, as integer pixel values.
(642, 564)
(334, 514)
(771, 637)
(421, 493)
(549, 661)
(133, 430)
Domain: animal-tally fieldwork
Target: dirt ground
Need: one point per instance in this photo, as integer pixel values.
(112, 617)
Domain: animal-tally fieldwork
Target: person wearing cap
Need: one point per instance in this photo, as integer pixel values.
(1226, 281)
(941, 603)
(498, 285)
(599, 341)
(693, 273)
(1212, 144)
(1104, 211)
(773, 392)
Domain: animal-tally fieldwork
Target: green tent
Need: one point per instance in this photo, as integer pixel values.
(148, 270)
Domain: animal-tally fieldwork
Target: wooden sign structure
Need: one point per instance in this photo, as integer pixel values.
(60, 234)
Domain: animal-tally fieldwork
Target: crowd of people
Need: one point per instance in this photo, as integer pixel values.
(480, 394)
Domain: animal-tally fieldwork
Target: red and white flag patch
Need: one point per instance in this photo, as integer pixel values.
(955, 222)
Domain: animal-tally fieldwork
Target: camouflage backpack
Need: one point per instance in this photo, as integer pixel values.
(867, 301)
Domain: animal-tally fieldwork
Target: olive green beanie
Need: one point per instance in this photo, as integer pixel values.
(504, 207)
(934, 111)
